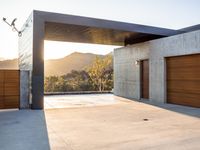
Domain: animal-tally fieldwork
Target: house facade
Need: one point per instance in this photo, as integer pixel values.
(165, 70)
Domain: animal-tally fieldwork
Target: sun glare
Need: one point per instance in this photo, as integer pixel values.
(55, 50)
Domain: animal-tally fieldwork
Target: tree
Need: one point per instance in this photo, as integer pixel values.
(79, 80)
(98, 76)
(101, 72)
(50, 83)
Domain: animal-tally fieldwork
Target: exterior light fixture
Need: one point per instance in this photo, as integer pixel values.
(12, 25)
(137, 62)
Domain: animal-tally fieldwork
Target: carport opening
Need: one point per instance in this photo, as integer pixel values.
(77, 68)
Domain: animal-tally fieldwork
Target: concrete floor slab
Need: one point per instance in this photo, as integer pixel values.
(121, 126)
(84, 100)
(118, 126)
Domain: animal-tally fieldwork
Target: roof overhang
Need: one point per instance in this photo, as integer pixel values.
(191, 28)
(70, 28)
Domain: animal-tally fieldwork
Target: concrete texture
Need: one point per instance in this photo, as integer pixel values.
(118, 126)
(23, 130)
(24, 89)
(121, 126)
(127, 74)
(69, 101)
(25, 47)
(31, 57)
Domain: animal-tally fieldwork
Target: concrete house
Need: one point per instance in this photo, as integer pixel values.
(155, 64)
(165, 70)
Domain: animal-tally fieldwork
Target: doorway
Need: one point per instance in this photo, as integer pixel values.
(144, 79)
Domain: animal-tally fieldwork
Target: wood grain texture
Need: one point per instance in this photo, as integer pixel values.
(1, 76)
(183, 80)
(145, 79)
(1, 102)
(9, 89)
(11, 101)
(1, 89)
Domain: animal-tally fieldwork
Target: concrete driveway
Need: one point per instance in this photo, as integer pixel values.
(125, 125)
(84, 100)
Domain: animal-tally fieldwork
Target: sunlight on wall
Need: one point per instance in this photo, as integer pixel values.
(55, 50)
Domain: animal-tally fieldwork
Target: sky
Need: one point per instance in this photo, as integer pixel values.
(173, 14)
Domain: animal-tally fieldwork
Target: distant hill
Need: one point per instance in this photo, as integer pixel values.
(1, 58)
(74, 61)
(9, 64)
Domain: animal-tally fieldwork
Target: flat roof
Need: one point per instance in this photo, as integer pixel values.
(70, 28)
(191, 28)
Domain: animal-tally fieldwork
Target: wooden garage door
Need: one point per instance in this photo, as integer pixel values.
(183, 80)
(9, 89)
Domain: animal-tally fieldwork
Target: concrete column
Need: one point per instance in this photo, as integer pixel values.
(24, 89)
(38, 63)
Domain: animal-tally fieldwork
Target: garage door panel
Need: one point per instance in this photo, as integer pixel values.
(1, 76)
(186, 68)
(187, 61)
(183, 80)
(184, 72)
(1, 102)
(180, 74)
(11, 89)
(184, 86)
(11, 76)
(11, 101)
(186, 99)
(185, 77)
(1, 89)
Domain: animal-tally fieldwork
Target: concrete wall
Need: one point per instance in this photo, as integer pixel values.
(26, 61)
(31, 58)
(26, 45)
(24, 89)
(127, 74)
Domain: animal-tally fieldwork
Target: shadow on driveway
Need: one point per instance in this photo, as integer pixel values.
(23, 130)
(190, 111)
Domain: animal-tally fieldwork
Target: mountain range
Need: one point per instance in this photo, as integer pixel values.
(74, 61)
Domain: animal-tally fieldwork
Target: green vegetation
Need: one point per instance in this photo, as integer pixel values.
(97, 77)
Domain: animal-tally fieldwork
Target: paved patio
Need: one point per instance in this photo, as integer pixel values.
(122, 125)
